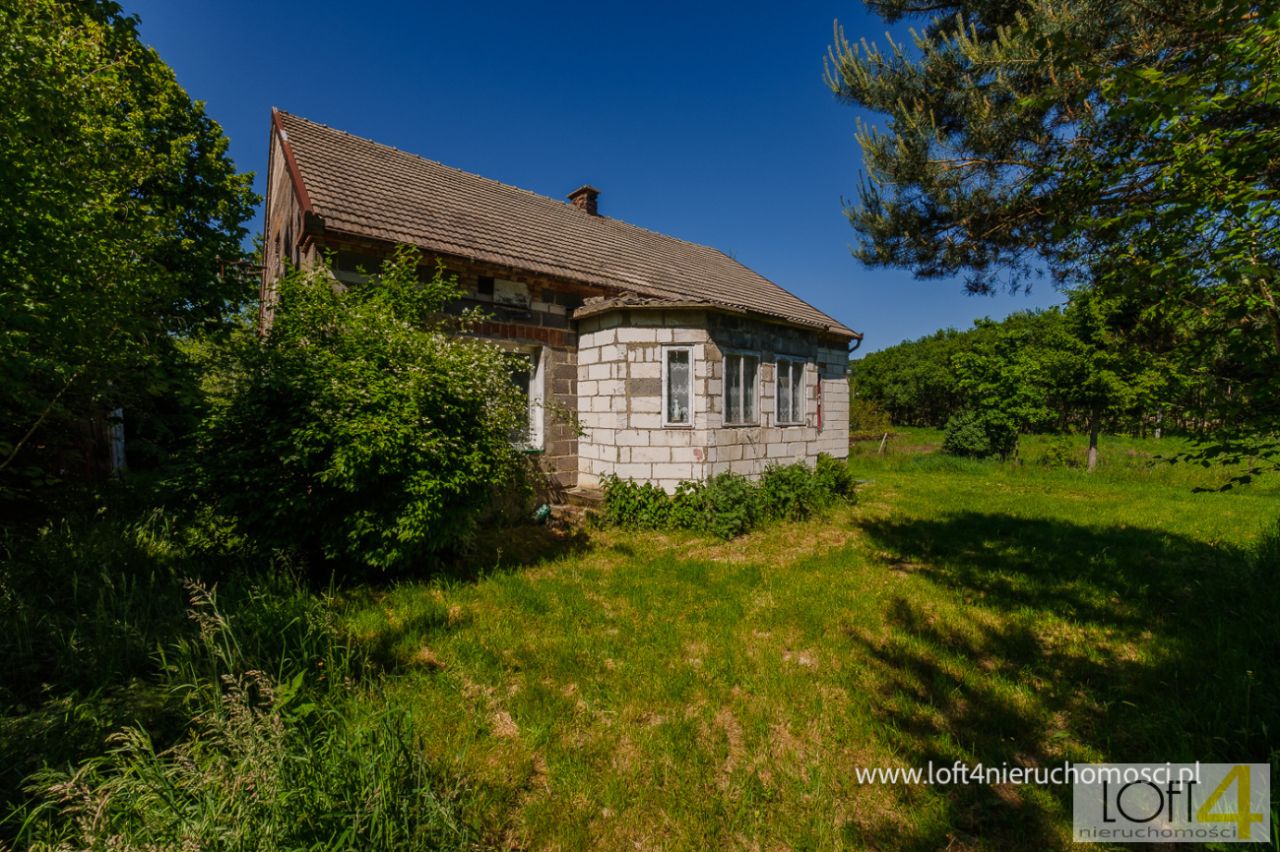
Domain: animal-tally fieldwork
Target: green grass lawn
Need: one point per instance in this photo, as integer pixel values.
(669, 691)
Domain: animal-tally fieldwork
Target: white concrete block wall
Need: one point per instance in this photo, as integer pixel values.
(620, 404)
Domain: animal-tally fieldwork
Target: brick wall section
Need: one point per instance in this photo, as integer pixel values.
(620, 397)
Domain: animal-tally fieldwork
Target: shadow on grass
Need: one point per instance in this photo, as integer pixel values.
(420, 617)
(512, 548)
(85, 609)
(497, 549)
(1074, 643)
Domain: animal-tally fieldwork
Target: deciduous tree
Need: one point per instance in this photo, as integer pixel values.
(121, 210)
(363, 428)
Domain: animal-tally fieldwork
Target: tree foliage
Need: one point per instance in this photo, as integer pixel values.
(1051, 370)
(120, 209)
(913, 381)
(980, 435)
(1123, 147)
(925, 382)
(363, 428)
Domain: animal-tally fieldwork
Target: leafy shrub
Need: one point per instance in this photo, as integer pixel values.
(788, 492)
(732, 506)
(1060, 453)
(728, 505)
(866, 417)
(980, 434)
(632, 505)
(965, 436)
(283, 761)
(834, 480)
(362, 427)
(689, 506)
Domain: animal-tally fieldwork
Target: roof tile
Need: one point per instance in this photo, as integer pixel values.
(366, 189)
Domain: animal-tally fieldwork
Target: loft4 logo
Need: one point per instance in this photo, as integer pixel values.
(1163, 800)
(1243, 817)
(1172, 803)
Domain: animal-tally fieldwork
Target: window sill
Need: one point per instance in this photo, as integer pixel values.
(740, 425)
(677, 425)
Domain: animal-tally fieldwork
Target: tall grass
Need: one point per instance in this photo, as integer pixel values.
(140, 709)
(85, 600)
(303, 757)
(1266, 556)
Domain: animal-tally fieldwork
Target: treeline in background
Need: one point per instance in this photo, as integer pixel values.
(1061, 370)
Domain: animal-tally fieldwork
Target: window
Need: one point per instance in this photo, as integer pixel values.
(740, 388)
(677, 386)
(790, 392)
(526, 375)
(512, 293)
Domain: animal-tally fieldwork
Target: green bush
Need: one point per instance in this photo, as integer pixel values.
(362, 427)
(980, 434)
(732, 506)
(632, 505)
(1060, 452)
(788, 492)
(728, 505)
(834, 479)
(866, 417)
(689, 506)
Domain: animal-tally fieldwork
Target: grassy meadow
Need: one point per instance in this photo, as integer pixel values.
(664, 690)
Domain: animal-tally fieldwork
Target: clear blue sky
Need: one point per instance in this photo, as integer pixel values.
(706, 121)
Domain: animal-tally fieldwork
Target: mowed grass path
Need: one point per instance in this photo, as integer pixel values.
(668, 691)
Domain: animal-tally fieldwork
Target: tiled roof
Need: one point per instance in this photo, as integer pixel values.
(362, 188)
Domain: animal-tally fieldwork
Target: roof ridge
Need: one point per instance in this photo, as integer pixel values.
(367, 187)
(538, 195)
(376, 143)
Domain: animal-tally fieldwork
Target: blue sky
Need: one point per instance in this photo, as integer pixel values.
(706, 121)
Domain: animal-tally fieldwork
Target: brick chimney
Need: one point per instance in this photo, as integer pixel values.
(586, 198)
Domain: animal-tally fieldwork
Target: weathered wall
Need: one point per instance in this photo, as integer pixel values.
(283, 238)
(620, 393)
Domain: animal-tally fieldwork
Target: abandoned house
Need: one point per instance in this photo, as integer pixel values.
(679, 361)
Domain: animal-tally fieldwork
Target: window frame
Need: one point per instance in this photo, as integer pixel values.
(792, 361)
(666, 354)
(755, 390)
(536, 401)
(509, 293)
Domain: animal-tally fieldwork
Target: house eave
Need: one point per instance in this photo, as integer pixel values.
(605, 306)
